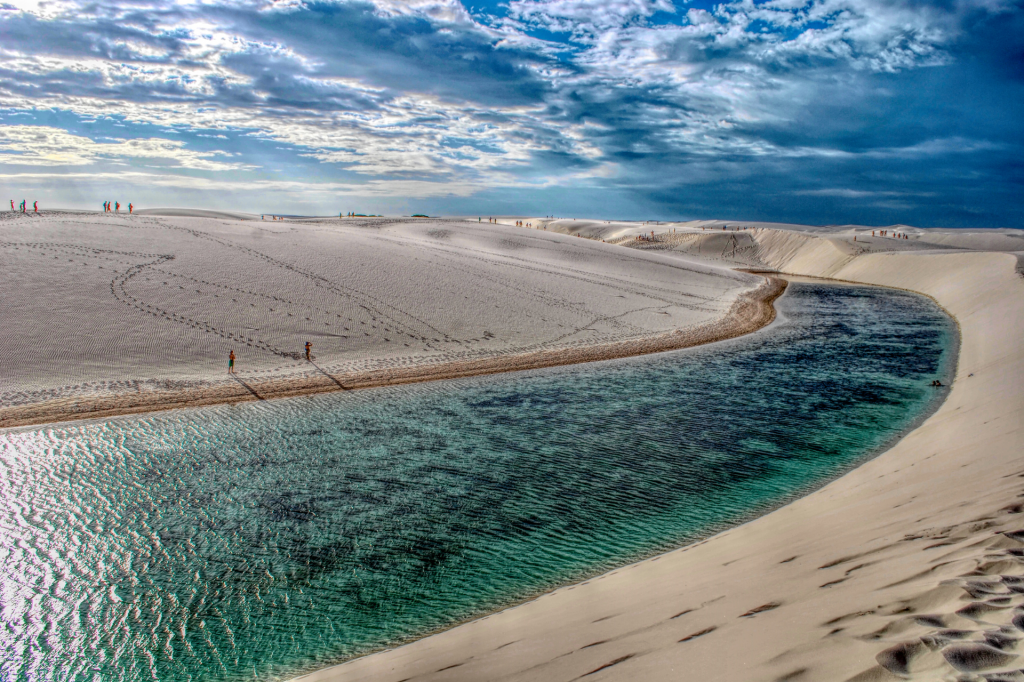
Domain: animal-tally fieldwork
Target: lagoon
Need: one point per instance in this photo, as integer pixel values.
(259, 541)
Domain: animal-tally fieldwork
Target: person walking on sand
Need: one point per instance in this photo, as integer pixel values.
(130, 208)
(117, 207)
(231, 362)
(309, 347)
(35, 206)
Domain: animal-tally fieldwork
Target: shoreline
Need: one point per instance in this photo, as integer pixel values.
(749, 313)
(841, 573)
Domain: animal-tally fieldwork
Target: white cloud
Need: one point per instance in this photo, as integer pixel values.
(846, 193)
(585, 18)
(447, 11)
(417, 189)
(48, 146)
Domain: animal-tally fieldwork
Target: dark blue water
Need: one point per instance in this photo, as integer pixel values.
(262, 540)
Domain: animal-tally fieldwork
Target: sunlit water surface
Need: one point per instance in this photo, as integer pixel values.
(262, 540)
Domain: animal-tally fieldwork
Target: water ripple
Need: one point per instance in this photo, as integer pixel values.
(263, 540)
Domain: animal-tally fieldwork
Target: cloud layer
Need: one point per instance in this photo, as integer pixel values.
(813, 110)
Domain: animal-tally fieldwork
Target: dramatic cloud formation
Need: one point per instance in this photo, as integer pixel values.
(806, 110)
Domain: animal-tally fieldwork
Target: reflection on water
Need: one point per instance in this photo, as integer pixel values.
(261, 540)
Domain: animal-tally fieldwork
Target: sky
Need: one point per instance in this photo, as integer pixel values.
(823, 112)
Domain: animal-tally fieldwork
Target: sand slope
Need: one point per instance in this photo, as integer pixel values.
(909, 567)
(108, 313)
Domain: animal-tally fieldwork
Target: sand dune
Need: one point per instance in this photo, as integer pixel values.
(197, 213)
(106, 313)
(909, 567)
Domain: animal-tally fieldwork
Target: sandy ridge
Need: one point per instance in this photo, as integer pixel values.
(750, 312)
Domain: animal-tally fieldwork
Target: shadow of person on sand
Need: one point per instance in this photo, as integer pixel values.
(248, 388)
(329, 375)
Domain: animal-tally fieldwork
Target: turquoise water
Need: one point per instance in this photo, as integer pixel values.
(261, 540)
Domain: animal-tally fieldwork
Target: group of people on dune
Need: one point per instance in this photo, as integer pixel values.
(23, 206)
(116, 207)
(231, 357)
(519, 223)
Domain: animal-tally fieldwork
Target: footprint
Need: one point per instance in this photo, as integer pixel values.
(761, 609)
(974, 657)
(699, 633)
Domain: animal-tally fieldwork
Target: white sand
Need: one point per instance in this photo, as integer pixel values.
(905, 568)
(144, 309)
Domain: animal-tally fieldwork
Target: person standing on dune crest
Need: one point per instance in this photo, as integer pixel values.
(231, 362)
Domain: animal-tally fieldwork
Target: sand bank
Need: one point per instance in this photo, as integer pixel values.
(110, 314)
(909, 567)
(749, 313)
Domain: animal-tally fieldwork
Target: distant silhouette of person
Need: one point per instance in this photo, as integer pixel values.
(12, 204)
(35, 206)
(117, 207)
(231, 362)
(309, 347)
(130, 208)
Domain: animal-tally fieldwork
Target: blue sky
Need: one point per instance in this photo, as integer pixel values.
(816, 111)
